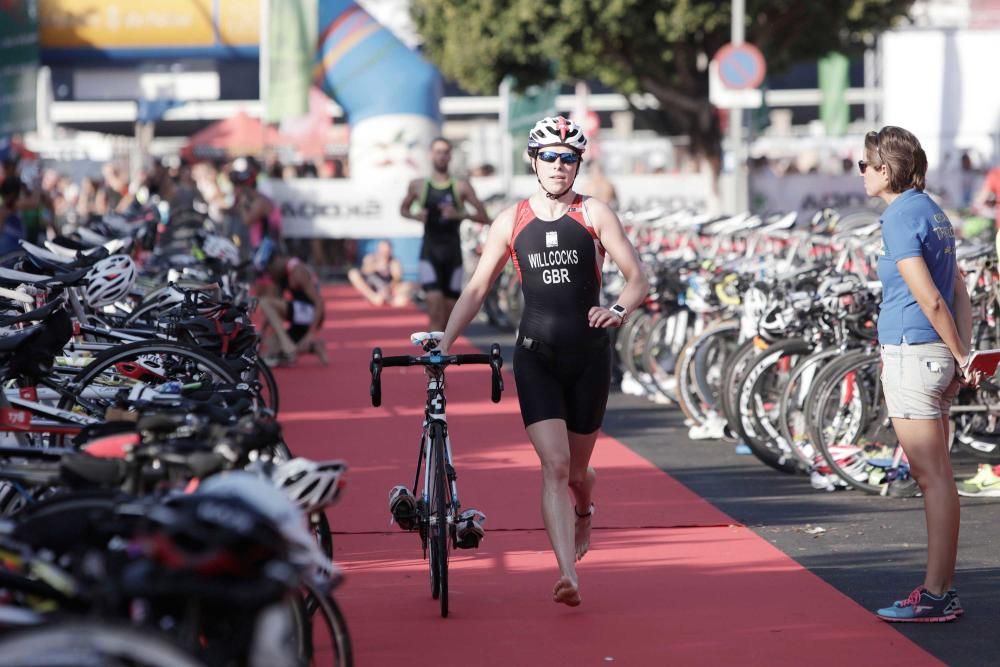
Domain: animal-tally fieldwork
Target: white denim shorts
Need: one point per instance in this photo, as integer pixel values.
(919, 381)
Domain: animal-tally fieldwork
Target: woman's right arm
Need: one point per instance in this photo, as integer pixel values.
(962, 307)
(491, 263)
(917, 277)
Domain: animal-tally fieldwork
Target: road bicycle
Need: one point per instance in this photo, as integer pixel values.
(437, 515)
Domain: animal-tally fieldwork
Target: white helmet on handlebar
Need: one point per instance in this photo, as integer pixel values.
(221, 248)
(312, 485)
(109, 280)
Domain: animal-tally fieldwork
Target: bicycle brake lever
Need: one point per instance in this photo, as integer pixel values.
(375, 368)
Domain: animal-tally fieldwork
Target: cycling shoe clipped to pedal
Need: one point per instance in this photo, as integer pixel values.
(403, 507)
(469, 529)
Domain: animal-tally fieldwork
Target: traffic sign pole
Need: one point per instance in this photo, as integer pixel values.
(741, 187)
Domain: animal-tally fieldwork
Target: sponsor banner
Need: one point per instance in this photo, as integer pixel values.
(635, 192)
(347, 208)
(163, 26)
(340, 208)
(807, 193)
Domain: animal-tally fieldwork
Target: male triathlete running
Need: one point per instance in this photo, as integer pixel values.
(562, 361)
(442, 209)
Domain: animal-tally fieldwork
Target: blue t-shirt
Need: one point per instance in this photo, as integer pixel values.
(913, 226)
(11, 233)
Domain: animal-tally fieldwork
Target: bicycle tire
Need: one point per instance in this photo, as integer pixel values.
(743, 355)
(440, 504)
(268, 383)
(320, 525)
(793, 404)
(667, 339)
(695, 393)
(305, 608)
(637, 328)
(872, 408)
(93, 642)
(108, 358)
(752, 430)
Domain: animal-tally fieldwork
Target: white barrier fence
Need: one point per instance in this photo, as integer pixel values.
(344, 208)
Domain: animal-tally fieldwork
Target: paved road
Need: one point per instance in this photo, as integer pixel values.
(873, 549)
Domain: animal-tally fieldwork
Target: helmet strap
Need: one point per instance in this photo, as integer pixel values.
(549, 195)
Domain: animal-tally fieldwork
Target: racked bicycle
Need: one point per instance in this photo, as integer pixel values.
(436, 513)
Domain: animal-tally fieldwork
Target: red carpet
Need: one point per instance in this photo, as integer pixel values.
(669, 580)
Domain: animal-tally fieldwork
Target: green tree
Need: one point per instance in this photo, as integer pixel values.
(661, 47)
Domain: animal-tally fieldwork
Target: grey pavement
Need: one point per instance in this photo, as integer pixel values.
(873, 548)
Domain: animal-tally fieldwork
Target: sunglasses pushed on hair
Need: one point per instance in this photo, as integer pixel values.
(565, 158)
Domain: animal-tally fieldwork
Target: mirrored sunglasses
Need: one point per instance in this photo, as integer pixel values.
(552, 156)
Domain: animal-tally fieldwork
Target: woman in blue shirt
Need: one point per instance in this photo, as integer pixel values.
(924, 328)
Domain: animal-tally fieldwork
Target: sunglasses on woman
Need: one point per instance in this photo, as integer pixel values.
(552, 156)
(862, 165)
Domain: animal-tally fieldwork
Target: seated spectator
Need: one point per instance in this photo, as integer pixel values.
(380, 279)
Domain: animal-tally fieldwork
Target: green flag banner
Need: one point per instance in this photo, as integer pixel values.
(833, 83)
(18, 66)
(291, 50)
(532, 105)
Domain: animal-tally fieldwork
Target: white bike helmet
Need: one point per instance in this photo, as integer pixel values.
(312, 485)
(265, 497)
(557, 131)
(109, 280)
(221, 248)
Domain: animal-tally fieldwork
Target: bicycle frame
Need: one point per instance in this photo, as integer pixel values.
(435, 420)
(18, 417)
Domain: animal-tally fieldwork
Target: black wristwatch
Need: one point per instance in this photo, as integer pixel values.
(619, 310)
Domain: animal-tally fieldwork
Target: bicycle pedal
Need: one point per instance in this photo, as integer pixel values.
(470, 541)
(403, 508)
(469, 530)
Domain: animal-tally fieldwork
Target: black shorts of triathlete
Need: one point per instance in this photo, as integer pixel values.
(569, 384)
(300, 316)
(445, 276)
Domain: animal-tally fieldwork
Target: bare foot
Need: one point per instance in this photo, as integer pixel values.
(567, 592)
(319, 349)
(583, 525)
(584, 518)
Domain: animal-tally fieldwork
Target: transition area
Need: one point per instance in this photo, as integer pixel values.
(670, 579)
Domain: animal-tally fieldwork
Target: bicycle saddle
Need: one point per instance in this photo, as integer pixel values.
(85, 471)
(12, 342)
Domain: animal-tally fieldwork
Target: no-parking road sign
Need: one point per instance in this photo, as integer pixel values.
(741, 66)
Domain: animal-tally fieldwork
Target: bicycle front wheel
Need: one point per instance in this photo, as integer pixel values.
(440, 504)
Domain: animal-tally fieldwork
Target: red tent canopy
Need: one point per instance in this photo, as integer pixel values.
(238, 135)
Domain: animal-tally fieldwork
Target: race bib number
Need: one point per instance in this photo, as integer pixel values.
(303, 312)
